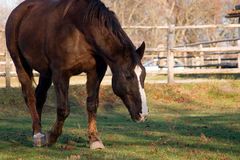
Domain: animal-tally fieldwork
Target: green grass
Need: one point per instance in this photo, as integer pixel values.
(187, 121)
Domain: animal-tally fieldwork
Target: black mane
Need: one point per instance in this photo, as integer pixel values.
(97, 11)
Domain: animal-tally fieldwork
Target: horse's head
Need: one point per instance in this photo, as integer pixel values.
(128, 84)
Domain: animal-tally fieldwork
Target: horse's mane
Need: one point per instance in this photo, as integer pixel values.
(106, 18)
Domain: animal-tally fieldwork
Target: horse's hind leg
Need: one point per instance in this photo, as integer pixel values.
(28, 93)
(61, 84)
(94, 79)
(24, 71)
(45, 81)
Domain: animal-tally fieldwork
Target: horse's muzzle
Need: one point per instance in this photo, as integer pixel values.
(143, 118)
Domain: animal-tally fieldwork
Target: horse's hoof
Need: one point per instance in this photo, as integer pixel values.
(50, 139)
(39, 140)
(96, 145)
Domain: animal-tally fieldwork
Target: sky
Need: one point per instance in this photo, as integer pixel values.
(6, 6)
(9, 3)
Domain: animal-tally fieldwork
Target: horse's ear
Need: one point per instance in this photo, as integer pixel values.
(140, 50)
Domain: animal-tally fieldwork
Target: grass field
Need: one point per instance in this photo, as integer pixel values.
(187, 121)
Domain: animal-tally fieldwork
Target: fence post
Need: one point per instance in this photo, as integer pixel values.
(238, 61)
(170, 54)
(115, 6)
(201, 57)
(220, 61)
(8, 69)
(238, 42)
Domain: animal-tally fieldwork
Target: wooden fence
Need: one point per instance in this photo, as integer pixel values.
(171, 51)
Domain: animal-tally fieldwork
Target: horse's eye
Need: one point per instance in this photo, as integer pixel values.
(129, 77)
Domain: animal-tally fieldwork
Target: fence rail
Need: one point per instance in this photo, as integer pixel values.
(203, 71)
(185, 27)
(174, 52)
(207, 49)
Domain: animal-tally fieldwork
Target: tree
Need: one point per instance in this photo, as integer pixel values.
(197, 12)
(159, 12)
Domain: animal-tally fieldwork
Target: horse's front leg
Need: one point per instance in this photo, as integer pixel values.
(94, 79)
(61, 84)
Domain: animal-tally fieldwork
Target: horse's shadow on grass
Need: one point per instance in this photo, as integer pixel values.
(15, 132)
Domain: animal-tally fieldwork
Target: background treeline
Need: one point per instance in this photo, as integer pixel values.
(162, 12)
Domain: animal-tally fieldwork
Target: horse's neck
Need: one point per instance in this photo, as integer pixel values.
(113, 48)
(108, 44)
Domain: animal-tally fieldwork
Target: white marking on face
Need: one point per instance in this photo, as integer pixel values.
(138, 72)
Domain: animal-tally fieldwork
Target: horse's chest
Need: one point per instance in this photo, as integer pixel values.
(83, 63)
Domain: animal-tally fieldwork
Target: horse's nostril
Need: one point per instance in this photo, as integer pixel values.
(144, 115)
(143, 118)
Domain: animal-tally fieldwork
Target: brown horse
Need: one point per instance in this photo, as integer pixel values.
(62, 38)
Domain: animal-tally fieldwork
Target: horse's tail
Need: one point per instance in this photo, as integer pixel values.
(11, 32)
